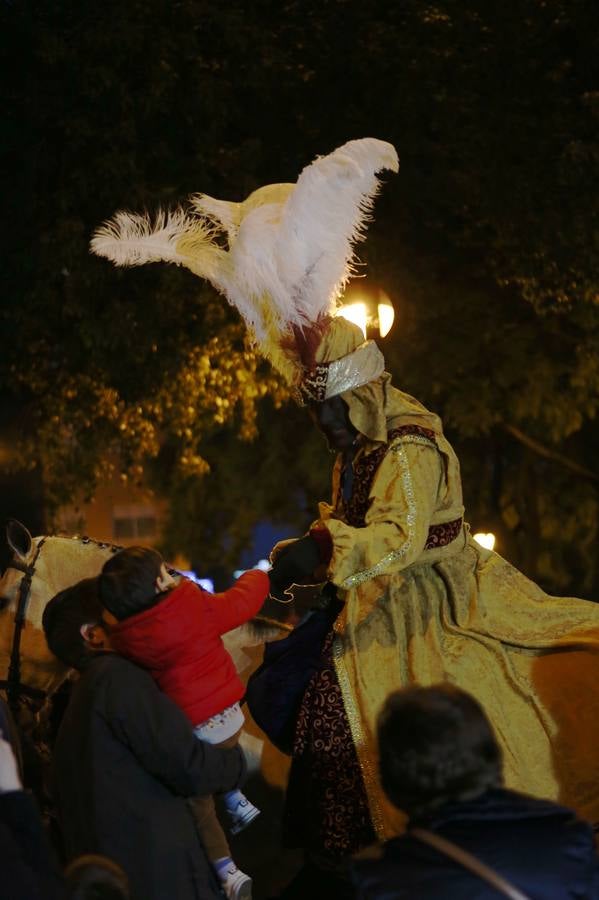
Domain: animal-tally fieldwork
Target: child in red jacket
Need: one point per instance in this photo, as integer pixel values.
(174, 631)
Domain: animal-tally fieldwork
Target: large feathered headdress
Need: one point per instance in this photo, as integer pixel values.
(281, 256)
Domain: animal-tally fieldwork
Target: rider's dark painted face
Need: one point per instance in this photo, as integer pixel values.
(332, 417)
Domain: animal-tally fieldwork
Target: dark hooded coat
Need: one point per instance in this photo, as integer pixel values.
(125, 761)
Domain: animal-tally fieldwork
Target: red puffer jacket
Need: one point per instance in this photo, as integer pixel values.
(179, 641)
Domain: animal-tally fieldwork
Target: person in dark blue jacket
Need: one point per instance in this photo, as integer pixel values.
(28, 870)
(441, 765)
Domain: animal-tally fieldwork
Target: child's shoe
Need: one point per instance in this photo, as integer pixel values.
(235, 883)
(240, 811)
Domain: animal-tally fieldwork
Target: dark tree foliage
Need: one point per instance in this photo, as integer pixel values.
(487, 243)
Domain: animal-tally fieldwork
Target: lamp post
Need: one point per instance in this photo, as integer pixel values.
(485, 539)
(369, 307)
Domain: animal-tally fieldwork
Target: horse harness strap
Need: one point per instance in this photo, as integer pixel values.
(13, 685)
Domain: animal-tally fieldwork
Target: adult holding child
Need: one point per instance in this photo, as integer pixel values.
(175, 632)
(126, 761)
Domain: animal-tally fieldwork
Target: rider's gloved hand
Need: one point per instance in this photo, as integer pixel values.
(296, 563)
(280, 548)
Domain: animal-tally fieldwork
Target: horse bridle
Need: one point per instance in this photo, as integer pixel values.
(12, 684)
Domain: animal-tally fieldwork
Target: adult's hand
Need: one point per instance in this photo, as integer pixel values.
(9, 770)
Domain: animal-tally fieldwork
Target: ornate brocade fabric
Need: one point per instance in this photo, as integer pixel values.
(421, 614)
(365, 467)
(327, 798)
(313, 387)
(327, 806)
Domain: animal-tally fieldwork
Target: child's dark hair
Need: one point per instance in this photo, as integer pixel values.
(63, 618)
(436, 745)
(128, 581)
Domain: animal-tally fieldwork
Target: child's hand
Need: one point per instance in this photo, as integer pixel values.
(9, 770)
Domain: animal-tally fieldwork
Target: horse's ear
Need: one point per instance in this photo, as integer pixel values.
(18, 538)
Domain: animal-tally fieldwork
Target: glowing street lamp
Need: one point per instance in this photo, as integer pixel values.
(368, 307)
(386, 317)
(485, 539)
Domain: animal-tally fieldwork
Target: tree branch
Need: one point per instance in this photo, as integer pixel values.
(548, 453)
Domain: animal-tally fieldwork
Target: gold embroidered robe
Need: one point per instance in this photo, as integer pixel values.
(462, 614)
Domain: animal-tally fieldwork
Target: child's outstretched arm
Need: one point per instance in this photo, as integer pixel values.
(241, 602)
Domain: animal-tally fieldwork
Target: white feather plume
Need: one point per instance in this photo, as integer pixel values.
(133, 240)
(301, 253)
(326, 216)
(291, 247)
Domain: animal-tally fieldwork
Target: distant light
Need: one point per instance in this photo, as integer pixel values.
(356, 313)
(485, 539)
(262, 564)
(206, 583)
(386, 317)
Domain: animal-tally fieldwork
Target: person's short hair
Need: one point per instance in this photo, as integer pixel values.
(128, 581)
(63, 618)
(436, 745)
(93, 877)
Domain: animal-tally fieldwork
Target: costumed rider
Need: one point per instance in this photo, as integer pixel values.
(417, 600)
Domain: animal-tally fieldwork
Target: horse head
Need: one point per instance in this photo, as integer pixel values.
(40, 567)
